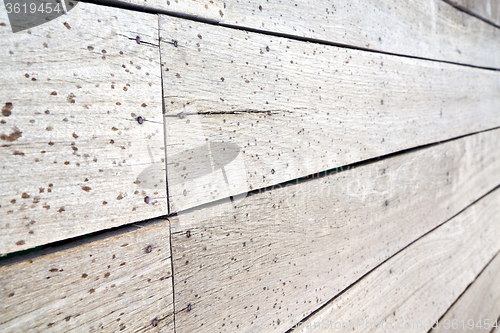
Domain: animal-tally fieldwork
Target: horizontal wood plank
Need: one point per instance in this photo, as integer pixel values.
(74, 157)
(478, 309)
(428, 29)
(264, 262)
(245, 111)
(417, 286)
(488, 10)
(121, 282)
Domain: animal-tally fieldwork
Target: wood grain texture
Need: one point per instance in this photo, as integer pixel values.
(417, 286)
(112, 284)
(74, 158)
(246, 111)
(262, 263)
(428, 29)
(489, 10)
(480, 301)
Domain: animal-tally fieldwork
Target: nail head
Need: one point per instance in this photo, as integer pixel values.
(146, 200)
(149, 248)
(154, 322)
(188, 234)
(138, 39)
(140, 120)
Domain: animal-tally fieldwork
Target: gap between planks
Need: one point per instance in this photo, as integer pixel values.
(140, 8)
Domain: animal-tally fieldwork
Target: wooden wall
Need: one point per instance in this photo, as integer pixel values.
(248, 166)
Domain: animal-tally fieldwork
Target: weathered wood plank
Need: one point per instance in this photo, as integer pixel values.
(283, 109)
(265, 262)
(427, 29)
(489, 10)
(74, 158)
(419, 284)
(108, 285)
(480, 302)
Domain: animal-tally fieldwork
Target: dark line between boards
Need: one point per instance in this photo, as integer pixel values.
(465, 290)
(383, 262)
(144, 9)
(471, 13)
(326, 173)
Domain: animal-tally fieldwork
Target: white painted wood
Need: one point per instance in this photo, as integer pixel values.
(486, 9)
(417, 286)
(111, 284)
(73, 157)
(299, 108)
(264, 262)
(478, 309)
(421, 28)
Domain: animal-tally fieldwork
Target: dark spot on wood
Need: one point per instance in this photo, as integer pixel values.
(104, 51)
(86, 188)
(53, 93)
(67, 318)
(119, 197)
(381, 102)
(11, 294)
(84, 275)
(107, 275)
(21, 242)
(260, 8)
(51, 143)
(16, 134)
(67, 25)
(54, 270)
(71, 98)
(7, 109)
(17, 152)
(144, 105)
(114, 129)
(25, 195)
(267, 48)
(386, 203)
(104, 202)
(199, 36)
(91, 291)
(111, 141)
(122, 264)
(60, 210)
(13, 201)
(90, 48)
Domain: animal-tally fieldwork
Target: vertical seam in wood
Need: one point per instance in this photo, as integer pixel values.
(163, 116)
(166, 175)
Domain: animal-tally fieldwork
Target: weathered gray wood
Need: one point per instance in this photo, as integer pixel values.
(428, 29)
(118, 283)
(246, 111)
(480, 302)
(489, 10)
(74, 158)
(419, 284)
(262, 263)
